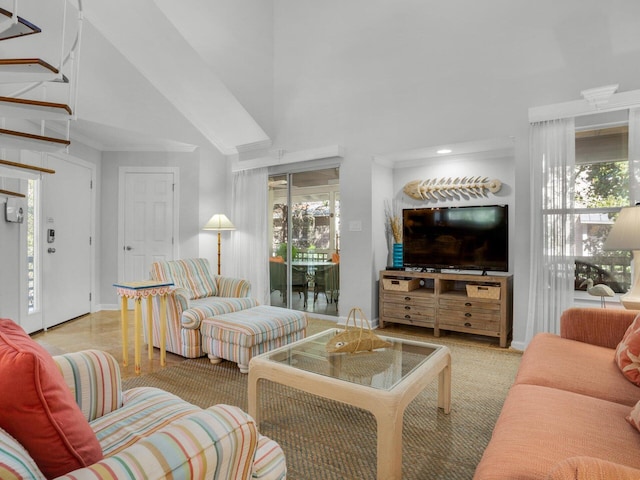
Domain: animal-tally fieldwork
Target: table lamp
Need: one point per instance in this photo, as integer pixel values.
(625, 235)
(218, 223)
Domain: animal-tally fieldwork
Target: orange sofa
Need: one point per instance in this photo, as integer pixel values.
(565, 415)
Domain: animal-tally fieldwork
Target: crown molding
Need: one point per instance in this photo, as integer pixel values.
(597, 100)
(282, 157)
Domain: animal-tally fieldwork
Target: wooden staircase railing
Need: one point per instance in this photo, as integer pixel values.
(34, 73)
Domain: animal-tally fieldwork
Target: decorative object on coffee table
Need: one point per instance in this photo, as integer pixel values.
(356, 339)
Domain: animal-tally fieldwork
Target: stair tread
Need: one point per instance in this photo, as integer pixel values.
(31, 136)
(36, 103)
(27, 70)
(16, 29)
(26, 166)
(13, 194)
(27, 63)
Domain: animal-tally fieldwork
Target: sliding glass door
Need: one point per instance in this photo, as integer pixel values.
(305, 240)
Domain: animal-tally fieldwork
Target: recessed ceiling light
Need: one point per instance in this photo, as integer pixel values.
(444, 150)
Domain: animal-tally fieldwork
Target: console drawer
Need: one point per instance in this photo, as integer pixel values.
(398, 310)
(409, 299)
(476, 320)
(468, 304)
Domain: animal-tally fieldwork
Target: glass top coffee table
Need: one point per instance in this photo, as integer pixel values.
(383, 382)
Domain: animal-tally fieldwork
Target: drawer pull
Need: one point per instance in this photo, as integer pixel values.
(468, 304)
(407, 307)
(467, 324)
(467, 315)
(407, 298)
(408, 317)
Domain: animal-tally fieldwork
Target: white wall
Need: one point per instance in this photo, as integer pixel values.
(9, 258)
(379, 77)
(198, 176)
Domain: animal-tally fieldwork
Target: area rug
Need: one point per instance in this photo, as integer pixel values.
(325, 440)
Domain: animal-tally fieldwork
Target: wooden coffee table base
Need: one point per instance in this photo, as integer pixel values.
(387, 406)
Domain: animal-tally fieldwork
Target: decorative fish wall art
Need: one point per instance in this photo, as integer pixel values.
(449, 188)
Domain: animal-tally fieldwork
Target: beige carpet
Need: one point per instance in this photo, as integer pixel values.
(326, 440)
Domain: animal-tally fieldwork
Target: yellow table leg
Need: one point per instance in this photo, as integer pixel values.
(150, 326)
(125, 330)
(163, 329)
(137, 332)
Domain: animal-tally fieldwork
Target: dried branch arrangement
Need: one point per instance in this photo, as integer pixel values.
(446, 188)
(394, 222)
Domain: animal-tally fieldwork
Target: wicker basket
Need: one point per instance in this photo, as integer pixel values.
(483, 291)
(356, 339)
(401, 284)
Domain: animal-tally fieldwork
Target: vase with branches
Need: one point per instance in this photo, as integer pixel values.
(393, 228)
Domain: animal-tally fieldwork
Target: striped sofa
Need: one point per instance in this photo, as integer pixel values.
(148, 433)
(198, 294)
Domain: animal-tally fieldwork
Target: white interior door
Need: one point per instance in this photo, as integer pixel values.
(66, 232)
(148, 213)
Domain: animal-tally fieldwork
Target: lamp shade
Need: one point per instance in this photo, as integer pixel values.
(219, 222)
(625, 233)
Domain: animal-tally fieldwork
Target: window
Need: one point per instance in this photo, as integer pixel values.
(305, 220)
(601, 189)
(33, 294)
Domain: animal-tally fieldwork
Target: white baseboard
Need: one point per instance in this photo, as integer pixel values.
(107, 306)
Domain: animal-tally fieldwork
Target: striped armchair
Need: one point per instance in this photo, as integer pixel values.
(198, 294)
(148, 433)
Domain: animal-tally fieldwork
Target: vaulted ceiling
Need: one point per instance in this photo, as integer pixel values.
(154, 74)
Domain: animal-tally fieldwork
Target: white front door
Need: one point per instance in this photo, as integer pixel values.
(66, 238)
(147, 213)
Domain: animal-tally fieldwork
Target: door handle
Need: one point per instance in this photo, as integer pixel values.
(51, 250)
(128, 247)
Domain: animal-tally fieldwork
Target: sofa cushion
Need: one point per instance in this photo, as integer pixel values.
(634, 417)
(557, 362)
(208, 307)
(589, 468)
(93, 377)
(38, 409)
(628, 352)
(254, 325)
(145, 410)
(15, 461)
(540, 427)
(269, 462)
(192, 274)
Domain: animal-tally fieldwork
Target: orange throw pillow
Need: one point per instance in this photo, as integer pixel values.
(628, 352)
(38, 409)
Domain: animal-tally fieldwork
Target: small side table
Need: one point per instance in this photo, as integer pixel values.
(137, 291)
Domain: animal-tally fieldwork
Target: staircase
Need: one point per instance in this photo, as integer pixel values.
(29, 118)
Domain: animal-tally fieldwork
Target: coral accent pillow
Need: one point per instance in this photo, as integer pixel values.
(38, 409)
(634, 416)
(628, 352)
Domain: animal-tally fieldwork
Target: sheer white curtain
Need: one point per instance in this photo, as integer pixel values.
(552, 160)
(634, 155)
(249, 196)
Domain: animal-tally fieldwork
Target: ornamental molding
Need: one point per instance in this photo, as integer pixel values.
(451, 188)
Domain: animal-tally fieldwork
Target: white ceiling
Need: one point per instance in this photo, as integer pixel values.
(142, 84)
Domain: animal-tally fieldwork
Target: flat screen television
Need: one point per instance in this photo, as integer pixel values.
(456, 238)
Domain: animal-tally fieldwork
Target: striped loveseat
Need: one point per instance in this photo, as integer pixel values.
(198, 294)
(148, 433)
